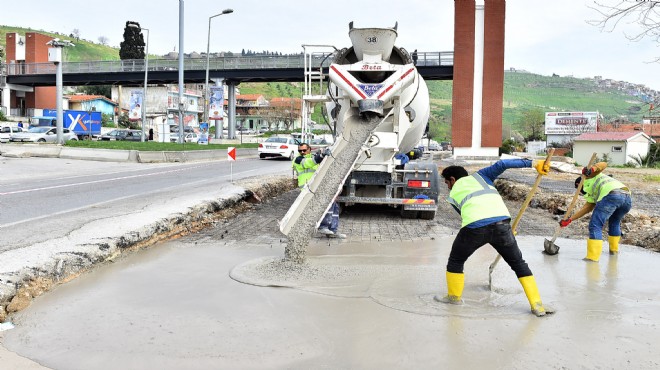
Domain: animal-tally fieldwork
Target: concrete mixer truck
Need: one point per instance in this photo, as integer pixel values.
(379, 105)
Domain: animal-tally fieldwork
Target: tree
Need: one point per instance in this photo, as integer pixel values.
(533, 123)
(133, 45)
(75, 34)
(105, 90)
(103, 40)
(646, 13)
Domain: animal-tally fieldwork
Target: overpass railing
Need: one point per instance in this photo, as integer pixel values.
(442, 58)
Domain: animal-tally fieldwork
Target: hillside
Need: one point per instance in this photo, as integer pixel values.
(522, 91)
(83, 51)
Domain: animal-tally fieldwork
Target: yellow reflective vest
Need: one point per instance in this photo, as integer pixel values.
(305, 166)
(597, 187)
(476, 199)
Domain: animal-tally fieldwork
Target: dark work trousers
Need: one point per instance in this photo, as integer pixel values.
(499, 235)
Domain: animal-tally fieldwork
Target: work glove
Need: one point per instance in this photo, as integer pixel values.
(566, 222)
(541, 167)
(588, 171)
(320, 154)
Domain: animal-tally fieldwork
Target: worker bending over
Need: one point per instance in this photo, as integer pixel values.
(610, 200)
(485, 219)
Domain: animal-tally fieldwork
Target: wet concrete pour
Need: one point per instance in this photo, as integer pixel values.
(353, 305)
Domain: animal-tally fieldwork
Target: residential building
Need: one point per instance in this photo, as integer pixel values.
(619, 147)
(20, 50)
(97, 103)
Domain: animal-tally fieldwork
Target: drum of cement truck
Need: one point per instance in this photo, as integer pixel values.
(376, 77)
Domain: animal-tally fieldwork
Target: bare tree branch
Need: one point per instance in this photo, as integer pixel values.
(644, 13)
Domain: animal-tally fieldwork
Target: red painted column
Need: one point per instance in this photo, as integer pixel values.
(493, 85)
(462, 99)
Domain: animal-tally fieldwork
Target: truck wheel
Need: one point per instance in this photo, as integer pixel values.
(408, 214)
(427, 215)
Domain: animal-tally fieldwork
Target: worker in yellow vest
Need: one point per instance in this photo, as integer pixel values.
(486, 220)
(305, 164)
(610, 200)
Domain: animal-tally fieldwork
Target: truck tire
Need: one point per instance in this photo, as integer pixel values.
(408, 214)
(427, 215)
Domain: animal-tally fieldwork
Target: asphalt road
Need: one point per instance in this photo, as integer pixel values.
(43, 199)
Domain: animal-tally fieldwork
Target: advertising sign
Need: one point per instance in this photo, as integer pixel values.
(216, 102)
(135, 103)
(570, 123)
(204, 134)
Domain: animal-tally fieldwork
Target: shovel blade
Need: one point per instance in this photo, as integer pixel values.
(550, 248)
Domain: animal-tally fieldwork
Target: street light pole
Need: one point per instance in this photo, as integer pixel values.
(206, 88)
(146, 74)
(181, 104)
(55, 56)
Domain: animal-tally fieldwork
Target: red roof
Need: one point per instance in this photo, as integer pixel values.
(249, 97)
(84, 98)
(607, 136)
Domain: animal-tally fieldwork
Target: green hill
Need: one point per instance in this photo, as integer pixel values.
(83, 51)
(522, 91)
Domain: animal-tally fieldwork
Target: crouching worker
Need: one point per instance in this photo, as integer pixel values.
(485, 219)
(305, 164)
(610, 200)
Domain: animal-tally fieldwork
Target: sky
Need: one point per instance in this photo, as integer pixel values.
(542, 36)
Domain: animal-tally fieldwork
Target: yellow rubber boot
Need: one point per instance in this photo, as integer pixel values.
(532, 292)
(594, 249)
(614, 244)
(455, 284)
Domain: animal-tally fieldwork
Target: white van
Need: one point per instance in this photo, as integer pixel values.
(7, 131)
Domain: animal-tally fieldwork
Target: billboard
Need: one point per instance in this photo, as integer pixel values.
(216, 102)
(570, 123)
(135, 112)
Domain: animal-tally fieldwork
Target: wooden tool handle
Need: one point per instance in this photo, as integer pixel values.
(528, 199)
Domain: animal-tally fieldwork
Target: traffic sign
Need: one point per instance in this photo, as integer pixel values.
(231, 153)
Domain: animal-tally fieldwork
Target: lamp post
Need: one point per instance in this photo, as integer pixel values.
(55, 56)
(181, 102)
(146, 74)
(206, 88)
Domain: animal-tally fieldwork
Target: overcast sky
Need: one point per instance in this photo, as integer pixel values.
(542, 36)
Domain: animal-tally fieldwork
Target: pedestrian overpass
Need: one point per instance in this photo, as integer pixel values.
(236, 69)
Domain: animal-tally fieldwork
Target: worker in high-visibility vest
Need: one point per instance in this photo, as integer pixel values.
(486, 220)
(610, 201)
(305, 164)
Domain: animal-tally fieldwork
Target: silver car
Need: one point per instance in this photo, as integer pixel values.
(42, 134)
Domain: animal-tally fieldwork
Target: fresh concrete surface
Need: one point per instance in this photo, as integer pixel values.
(366, 306)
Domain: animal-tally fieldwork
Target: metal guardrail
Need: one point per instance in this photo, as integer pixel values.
(441, 58)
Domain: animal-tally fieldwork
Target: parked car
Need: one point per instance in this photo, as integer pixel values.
(319, 143)
(131, 135)
(7, 131)
(43, 134)
(113, 135)
(286, 147)
(434, 147)
(190, 137)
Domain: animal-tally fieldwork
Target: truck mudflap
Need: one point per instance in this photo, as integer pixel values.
(407, 203)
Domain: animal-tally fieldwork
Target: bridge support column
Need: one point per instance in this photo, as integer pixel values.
(231, 109)
(4, 100)
(478, 78)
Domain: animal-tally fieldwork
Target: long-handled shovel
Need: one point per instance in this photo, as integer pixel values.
(549, 246)
(517, 219)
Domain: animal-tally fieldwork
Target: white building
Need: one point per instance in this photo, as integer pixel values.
(620, 147)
